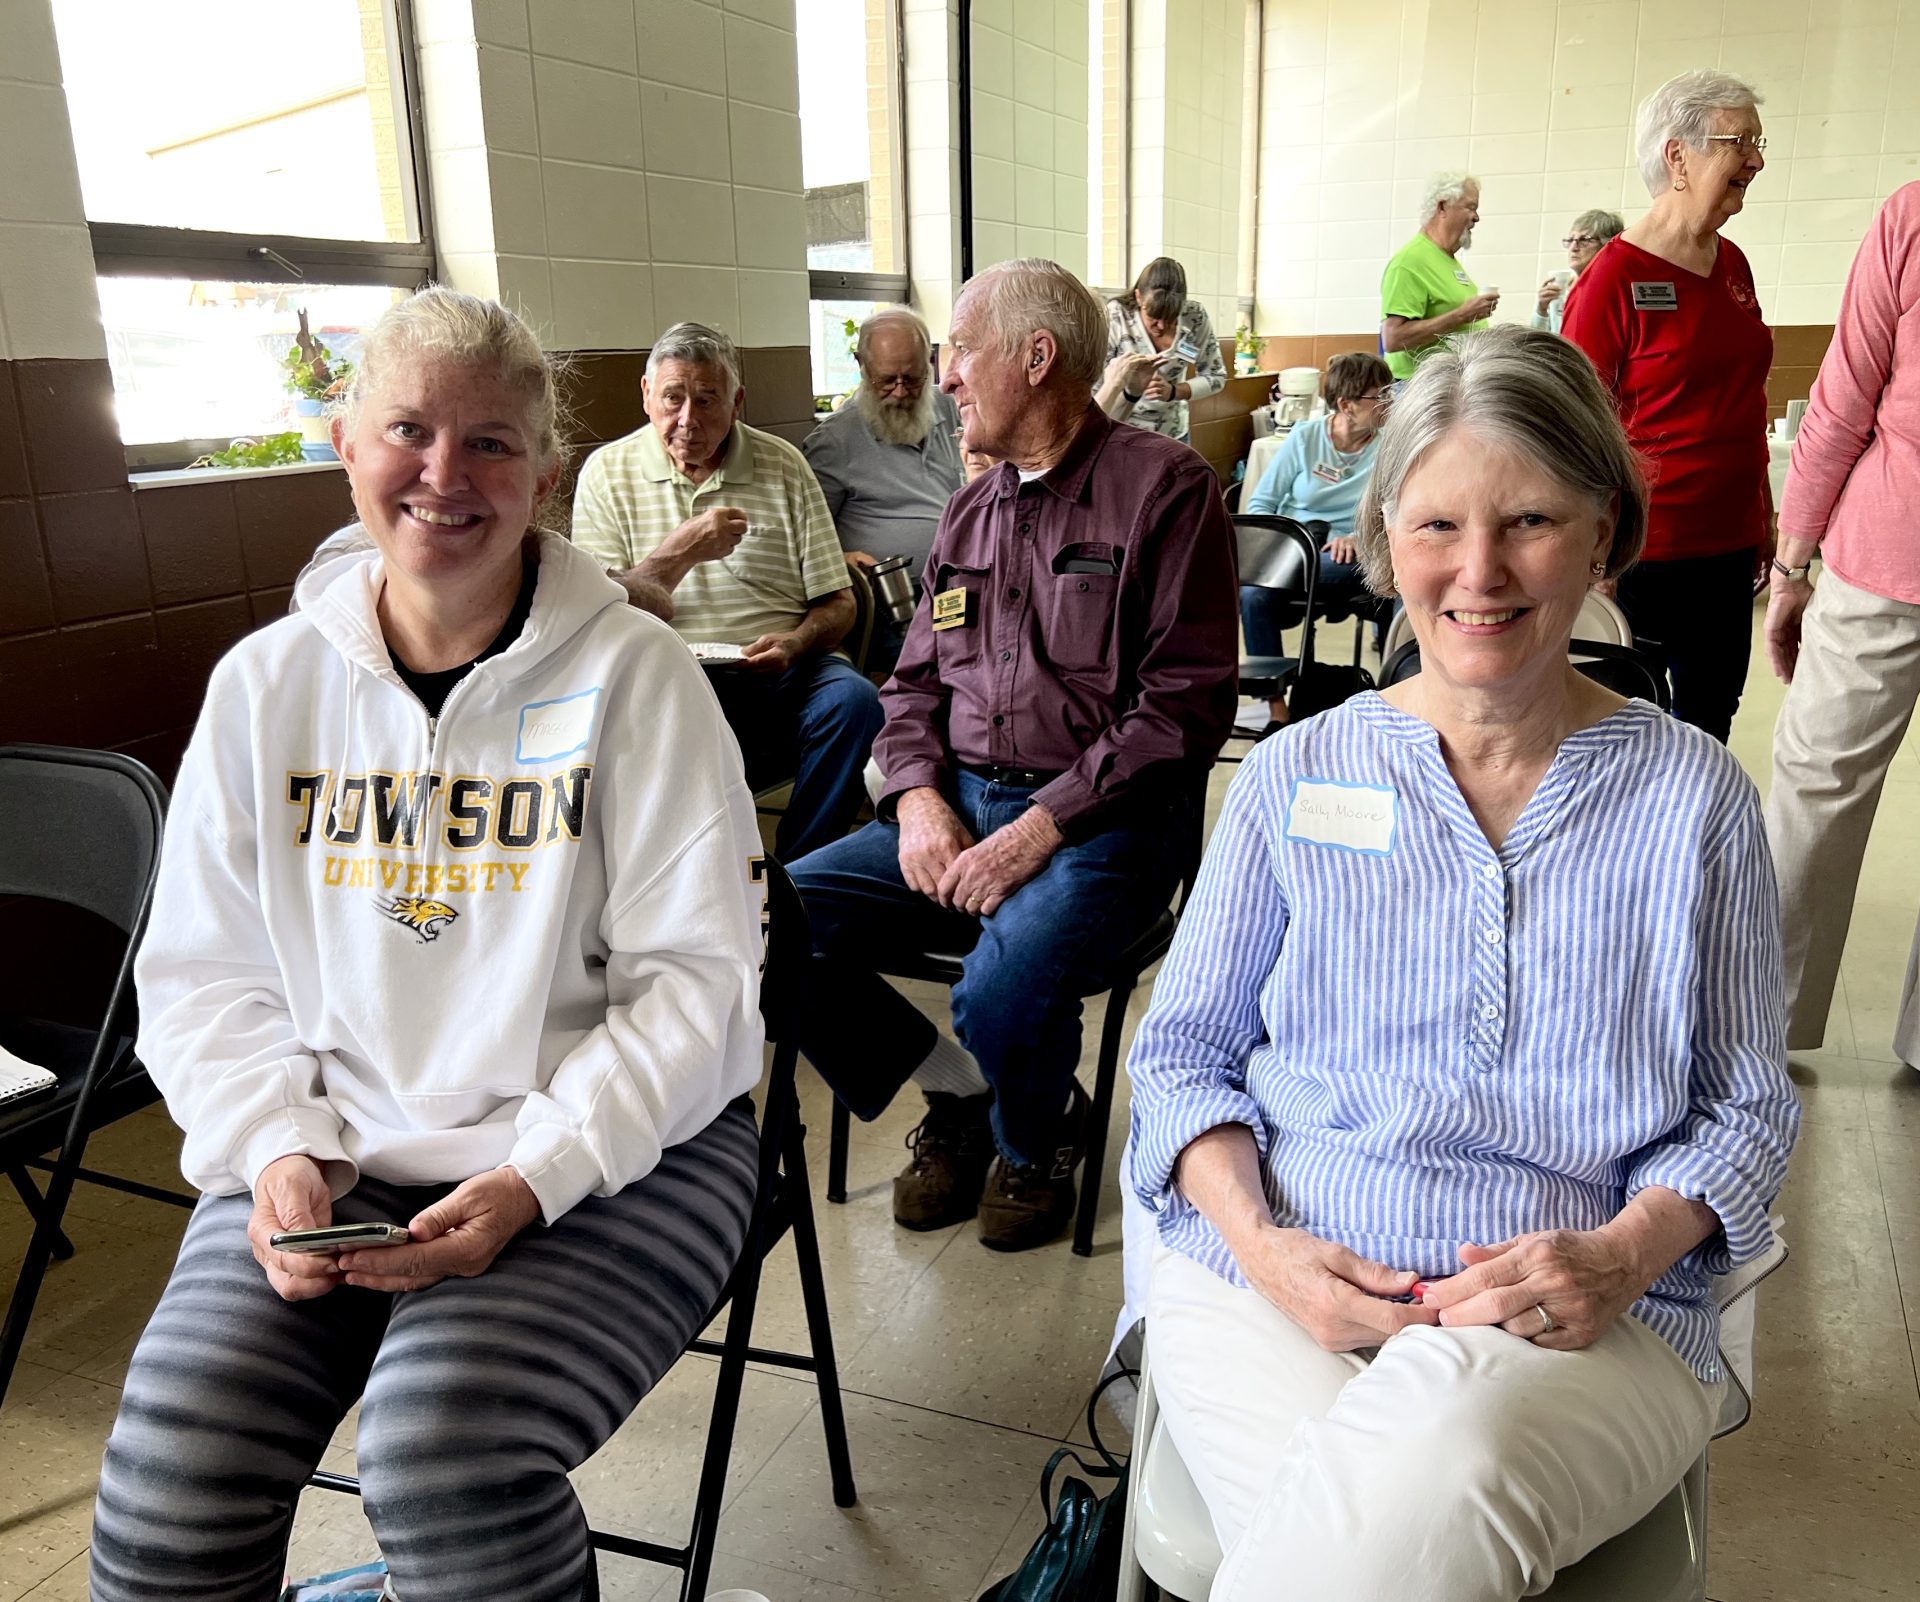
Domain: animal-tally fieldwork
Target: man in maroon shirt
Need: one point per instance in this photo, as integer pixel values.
(1064, 687)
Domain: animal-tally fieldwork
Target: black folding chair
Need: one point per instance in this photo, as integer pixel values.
(81, 828)
(1277, 554)
(1129, 967)
(783, 1204)
(1623, 669)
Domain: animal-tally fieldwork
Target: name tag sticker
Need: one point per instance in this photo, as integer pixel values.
(550, 730)
(952, 609)
(1347, 817)
(1461, 274)
(1655, 297)
(1328, 473)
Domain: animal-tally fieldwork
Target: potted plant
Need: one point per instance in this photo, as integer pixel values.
(1246, 350)
(314, 378)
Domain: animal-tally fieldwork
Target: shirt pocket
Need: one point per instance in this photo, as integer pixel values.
(959, 646)
(1077, 613)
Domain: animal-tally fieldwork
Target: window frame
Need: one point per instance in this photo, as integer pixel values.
(153, 250)
(833, 283)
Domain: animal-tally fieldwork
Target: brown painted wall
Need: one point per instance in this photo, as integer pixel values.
(115, 604)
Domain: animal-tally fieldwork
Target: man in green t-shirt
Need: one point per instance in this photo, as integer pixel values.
(1425, 294)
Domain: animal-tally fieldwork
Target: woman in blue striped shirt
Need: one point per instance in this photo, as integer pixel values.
(1467, 1069)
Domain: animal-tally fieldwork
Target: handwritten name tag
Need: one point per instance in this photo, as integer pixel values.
(550, 730)
(1347, 817)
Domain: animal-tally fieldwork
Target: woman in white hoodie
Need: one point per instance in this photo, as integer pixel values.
(458, 928)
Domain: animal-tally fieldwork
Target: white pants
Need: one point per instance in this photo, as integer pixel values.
(1464, 1464)
(1845, 714)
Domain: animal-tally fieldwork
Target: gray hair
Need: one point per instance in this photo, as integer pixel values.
(1529, 391)
(700, 346)
(458, 327)
(892, 315)
(1022, 297)
(1443, 187)
(1682, 108)
(1600, 225)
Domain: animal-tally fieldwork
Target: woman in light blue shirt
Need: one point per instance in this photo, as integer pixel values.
(1318, 475)
(1467, 1068)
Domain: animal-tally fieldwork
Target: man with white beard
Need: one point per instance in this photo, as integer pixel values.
(889, 459)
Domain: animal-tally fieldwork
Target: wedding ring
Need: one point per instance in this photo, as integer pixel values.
(1547, 1325)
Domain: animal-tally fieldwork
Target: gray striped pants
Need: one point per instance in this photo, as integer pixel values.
(477, 1396)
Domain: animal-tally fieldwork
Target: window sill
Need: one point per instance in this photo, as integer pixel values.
(225, 475)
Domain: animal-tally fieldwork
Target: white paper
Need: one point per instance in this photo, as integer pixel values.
(1345, 817)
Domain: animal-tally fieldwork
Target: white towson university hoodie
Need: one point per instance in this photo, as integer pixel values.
(529, 932)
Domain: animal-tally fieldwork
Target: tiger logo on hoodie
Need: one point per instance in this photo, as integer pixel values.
(424, 917)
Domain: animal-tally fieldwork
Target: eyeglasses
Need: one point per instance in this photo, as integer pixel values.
(1740, 142)
(906, 383)
(1578, 241)
(1381, 394)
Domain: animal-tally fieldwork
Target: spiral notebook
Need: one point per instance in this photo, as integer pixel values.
(20, 1079)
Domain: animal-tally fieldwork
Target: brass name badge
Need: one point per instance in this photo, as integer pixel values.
(952, 609)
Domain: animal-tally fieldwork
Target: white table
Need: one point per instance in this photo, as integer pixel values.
(1259, 454)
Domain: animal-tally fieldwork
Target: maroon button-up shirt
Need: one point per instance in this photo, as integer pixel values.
(1102, 642)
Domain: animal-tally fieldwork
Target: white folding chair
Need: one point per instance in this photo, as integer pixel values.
(1169, 1542)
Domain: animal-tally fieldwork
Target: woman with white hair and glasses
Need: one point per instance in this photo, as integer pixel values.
(1669, 315)
(1466, 1068)
(1591, 230)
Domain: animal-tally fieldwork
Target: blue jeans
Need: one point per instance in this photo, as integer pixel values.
(1027, 968)
(1264, 614)
(813, 724)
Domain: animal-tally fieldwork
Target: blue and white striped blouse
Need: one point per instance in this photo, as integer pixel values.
(1434, 1042)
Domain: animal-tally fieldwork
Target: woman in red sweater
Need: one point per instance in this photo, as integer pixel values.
(1669, 316)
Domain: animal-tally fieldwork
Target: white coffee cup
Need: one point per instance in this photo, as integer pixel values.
(1564, 278)
(735, 1596)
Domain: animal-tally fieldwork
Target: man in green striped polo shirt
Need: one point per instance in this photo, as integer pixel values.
(728, 524)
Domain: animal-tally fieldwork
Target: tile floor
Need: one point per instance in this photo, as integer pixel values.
(964, 1371)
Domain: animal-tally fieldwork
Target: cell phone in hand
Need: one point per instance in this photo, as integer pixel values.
(338, 1238)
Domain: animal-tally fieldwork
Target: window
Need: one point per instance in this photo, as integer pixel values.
(240, 164)
(852, 164)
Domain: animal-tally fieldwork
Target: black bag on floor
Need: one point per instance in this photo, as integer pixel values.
(1077, 1557)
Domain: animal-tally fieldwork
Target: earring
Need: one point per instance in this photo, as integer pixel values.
(1597, 569)
(1679, 184)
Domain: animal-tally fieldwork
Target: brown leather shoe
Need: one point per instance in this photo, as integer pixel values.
(1027, 1205)
(951, 1148)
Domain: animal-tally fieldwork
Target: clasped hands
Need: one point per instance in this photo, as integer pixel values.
(940, 858)
(1585, 1279)
(456, 1238)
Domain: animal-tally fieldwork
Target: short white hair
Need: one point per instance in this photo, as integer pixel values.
(1682, 108)
(1441, 188)
(1019, 298)
(885, 316)
(698, 346)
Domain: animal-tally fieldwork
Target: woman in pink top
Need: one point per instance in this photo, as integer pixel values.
(1849, 650)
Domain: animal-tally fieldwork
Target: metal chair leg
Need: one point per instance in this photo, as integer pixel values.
(839, 1135)
(1105, 1074)
(35, 1204)
(40, 1251)
(813, 1293)
(712, 1488)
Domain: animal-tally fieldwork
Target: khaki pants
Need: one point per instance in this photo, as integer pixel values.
(1462, 1464)
(1852, 695)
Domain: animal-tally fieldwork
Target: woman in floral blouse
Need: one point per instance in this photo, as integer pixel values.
(1161, 352)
